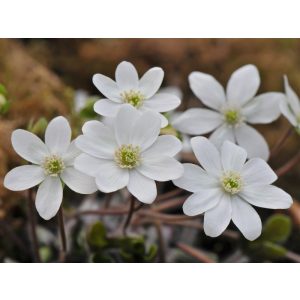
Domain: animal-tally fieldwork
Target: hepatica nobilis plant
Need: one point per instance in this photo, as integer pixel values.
(126, 151)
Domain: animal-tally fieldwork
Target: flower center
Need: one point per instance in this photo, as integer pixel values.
(128, 156)
(53, 165)
(232, 182)
(232, 117)
(135, 98)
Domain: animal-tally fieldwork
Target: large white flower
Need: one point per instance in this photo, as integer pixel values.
(128, 88)
(129, 154)
(226, 186)
(231, 111)
(52, 165)
(290, 105)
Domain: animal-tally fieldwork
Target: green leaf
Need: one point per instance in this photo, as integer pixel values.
(39, 126)
(45, 253)
(149, 257)
(277, 228)
(87, 112)
(96, 236)
(3, 90)
(273, 251)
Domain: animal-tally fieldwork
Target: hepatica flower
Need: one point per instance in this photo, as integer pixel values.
(52, 165)
(226, 187)
(290, 106)
(129, 89)
(129, 154)
(230, 112)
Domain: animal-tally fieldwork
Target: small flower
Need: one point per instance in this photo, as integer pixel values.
(290, 106)
(52, 165)
(226, 186)
(129, 89)
(130, 153)
(231, 111)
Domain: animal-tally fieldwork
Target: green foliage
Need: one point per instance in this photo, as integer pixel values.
(134, 250)
(45, 253)
(96, 236)
(4, 103)
(3, 90)
(276, 231)
(277, 228)
(117, 249)
(38, 127)
(87, 112)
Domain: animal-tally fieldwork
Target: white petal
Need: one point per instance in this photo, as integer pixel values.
(141, 187)
(145, 130)
(257, 172)
(162, 102)
(207, 154)
(102, 134)
(164, 121)
(58, 135)
(107, 108)
(195, 179)
(252, 141)
(127, 77)
(267, 196)
(246, 219)
(29, 146)
(167, 145)
(49, 197)
(23, 178)
(124, 123)
(71, 153)
(222, 134)
(263, 109)
(96, 147)
(162, 168)
(233, 157)
(218, 218)
(207, 89)
(199, 203)
(107, 87)
(151, 81)
(286, 111)
(110, 177)
(78, 182)
(292, 97)
(88, 164)
(198, 121)
(243, 84)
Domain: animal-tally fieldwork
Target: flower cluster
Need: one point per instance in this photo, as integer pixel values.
(127, 149)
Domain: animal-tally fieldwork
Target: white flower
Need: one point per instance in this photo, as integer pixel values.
(290, 106)
(129, 154)
(52, 165)
(226, 186)
(142, 94)
(231, 111)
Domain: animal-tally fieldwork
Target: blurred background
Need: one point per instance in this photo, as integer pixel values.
(42, 78)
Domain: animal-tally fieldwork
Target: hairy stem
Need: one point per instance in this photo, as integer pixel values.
(281, 141)
(62, 231)
(32, 227)
(129, 216)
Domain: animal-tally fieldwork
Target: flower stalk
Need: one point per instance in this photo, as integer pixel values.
(63, 251)
(32, 227)
(281, 141)
(130, 214)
